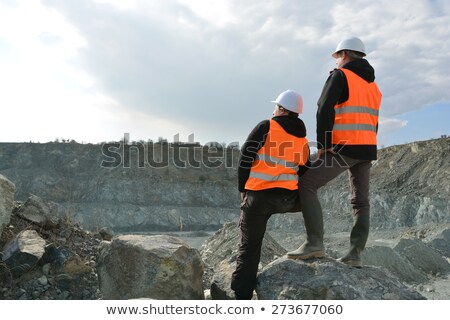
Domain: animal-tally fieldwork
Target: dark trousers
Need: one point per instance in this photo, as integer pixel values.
(328, 168)
(256, 210)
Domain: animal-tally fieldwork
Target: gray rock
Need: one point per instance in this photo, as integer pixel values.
(106, 233)
(441, 242)
(221, 281)
(46, 269)
(156, 267)
(23, 252)
(43, 281)
(57, 256)
(383, 256)
(326, 279)
(40, 212)
(7, 190)
(422, 256)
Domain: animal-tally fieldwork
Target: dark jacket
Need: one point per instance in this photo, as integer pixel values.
(335, 91)
(256, 140)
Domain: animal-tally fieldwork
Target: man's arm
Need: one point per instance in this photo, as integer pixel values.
(334, 91)
(249, 149)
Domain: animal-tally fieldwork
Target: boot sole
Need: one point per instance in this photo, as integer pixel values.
(316, 254)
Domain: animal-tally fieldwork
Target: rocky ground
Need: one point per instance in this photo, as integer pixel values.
(436, 288)
(76, 280)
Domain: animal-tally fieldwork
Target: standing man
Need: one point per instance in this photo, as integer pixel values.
(268, 182)
(347, 124)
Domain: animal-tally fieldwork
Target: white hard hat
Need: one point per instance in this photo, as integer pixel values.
(354, 44)
(290, 100)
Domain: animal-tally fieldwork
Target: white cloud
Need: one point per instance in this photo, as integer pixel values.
(215, 12)
(119, 4)
(211, 67)
(387, 125)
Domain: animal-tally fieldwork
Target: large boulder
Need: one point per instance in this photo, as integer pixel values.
(156, 267)
(23, 252)
(325, 279)
(7, 189)
(43, 213)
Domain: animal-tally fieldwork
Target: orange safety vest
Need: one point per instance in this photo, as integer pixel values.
(355, 121)
(276, 163)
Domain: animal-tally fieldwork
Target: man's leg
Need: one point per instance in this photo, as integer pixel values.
(256, 211)
(252, 225)
(323, 170)
(359, 178)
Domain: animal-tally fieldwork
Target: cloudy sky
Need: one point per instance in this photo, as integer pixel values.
(92, 70)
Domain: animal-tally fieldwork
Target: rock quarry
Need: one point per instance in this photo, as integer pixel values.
(73, 222)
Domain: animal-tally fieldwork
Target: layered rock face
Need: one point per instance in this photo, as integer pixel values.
(164, 187)
(133, 188)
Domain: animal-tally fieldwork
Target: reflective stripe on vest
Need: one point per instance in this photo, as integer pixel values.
(354, 127)
(355, 121)
(274, 161)
(277, 161)
(351, 109)
(268, 177)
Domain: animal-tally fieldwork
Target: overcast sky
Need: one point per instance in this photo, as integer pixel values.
(92, 70)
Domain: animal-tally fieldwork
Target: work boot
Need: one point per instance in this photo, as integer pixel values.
(307, 251)
(358, 239)
(313, 246)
